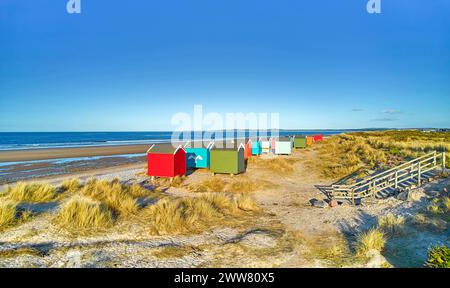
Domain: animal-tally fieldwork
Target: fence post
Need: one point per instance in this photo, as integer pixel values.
(435, 159)
(443, 162)
(353, 197)
(419, 175)
(396, 179)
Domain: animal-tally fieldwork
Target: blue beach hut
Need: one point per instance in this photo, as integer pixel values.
(256, 147)
(197, 154)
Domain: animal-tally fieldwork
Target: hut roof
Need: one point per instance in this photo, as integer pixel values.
(283, 139)
(227, 145)
(164, 148)
(198, 144)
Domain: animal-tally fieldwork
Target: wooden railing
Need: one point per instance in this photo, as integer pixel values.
(392, 178)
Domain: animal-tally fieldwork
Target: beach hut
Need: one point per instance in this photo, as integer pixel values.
(256, 147)
(299, 142)
(165, 160)
(273, 144)
(227, 159)
(318, 138)
(197, 154)
(266, 145)
(309, 140)
(247, 147)
(283, 145)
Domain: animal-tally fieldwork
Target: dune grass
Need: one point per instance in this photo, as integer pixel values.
(32, 192)
(11, 215)
(186, 215)
(217, 184)
(120, 198)
(81, 214)
(391, 225)
(247, 203)
(373, 239)
(8, 211)
(345, 154)
(176, 181)
(426, 222)
(71, 185)
(278, 165)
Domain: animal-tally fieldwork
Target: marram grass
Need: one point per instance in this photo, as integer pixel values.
(373, 239)
(83, 214)
(185, 215)
(391, 224)
(32, 192)
(8, 211)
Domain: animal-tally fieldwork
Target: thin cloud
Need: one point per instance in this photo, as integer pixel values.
(357, 110)
(386, 119)
(391, 111)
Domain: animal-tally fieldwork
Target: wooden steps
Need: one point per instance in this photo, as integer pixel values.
(406, 176)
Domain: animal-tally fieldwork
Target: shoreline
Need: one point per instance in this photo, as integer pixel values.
(62, 153)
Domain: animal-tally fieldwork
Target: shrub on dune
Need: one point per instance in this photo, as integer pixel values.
(82, 214)
(32, 192)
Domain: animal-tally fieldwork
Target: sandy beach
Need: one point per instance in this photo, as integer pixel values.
(58, 153)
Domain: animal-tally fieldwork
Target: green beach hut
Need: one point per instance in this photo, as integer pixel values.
(227, 158)
(299, 142)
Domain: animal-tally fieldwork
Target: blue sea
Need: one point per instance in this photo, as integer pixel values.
(36, 140)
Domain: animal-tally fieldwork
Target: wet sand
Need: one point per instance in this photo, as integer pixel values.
(59, 153)
(41, 170)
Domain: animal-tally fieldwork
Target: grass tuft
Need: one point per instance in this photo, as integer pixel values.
(8, 211)
(32, 192)
(83, 214)
(373, 239)
(119, 198)
(71, 185)
(216, 184)
(391, 224)
(247, 203)
(186, 215)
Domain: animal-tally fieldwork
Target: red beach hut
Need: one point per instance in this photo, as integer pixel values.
(165, 160)
(318, 137)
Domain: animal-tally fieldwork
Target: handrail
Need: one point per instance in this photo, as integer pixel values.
(397, 168)
(390, 178)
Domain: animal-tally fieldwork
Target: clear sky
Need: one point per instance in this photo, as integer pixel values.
(130, 65)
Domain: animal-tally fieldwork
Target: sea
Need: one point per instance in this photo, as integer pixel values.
(41, 140)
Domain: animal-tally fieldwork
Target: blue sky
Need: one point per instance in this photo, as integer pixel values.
(130, 65)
